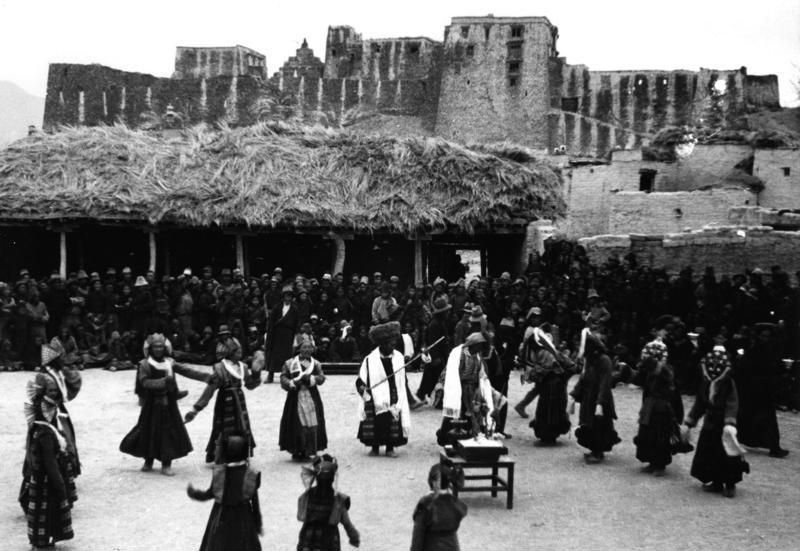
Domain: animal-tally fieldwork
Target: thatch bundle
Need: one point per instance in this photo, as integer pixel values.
(271, 175)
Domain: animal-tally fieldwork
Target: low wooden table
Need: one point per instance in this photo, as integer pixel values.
(497, 484)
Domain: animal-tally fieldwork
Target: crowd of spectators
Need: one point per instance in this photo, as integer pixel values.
(102, 319)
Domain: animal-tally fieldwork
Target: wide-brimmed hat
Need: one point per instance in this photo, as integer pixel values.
(82, 274)
(440, 305)
(223, 331)
(592, 294)
(127, 270)
(475, 338)
(384, 332)
(534, 311)
(477, 314)
(140, 282)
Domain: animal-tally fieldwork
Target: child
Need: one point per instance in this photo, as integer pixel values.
(321, 509)
(235, 520)
(438, 514)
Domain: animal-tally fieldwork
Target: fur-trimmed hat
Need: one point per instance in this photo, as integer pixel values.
(384, 332)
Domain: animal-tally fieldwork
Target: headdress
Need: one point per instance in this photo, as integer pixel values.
(35, 403)
(51, 352)
(156, 338)
(476, 315)
(235, 448)
(475, 338)
(383, 332)
(323, 468)
(140, 282)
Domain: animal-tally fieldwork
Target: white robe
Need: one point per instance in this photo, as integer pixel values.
(380, 394)
(451, 403)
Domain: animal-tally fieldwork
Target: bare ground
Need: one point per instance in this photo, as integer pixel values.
(560, 503)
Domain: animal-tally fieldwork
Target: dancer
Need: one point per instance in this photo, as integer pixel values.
(438, 515)
(69, 382)
(593, 393)
(302, 431)
(550, 373)
(433, 361)
(717, 465)
(384, 411)
(235, 520)
(159, 433)
(467, 391)
(230, 409)
(321, 509)
(48, 486)
(657, 421)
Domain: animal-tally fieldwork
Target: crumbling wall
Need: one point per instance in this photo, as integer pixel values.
(729, 250)
(780, 171)
(191, 62)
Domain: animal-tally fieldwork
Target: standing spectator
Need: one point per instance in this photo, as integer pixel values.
(282, 325)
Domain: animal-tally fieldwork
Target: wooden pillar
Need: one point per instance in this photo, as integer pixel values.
(341, 252)
(484, 261)
(152, 239)
(62, 266)
(240, 253)
(418, 272)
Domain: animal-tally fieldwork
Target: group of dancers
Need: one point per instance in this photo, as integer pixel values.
(469, 401)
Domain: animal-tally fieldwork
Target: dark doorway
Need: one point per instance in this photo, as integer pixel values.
(96, 248)
(35, 249)
(310, 255)
(194, 248)
(390, 255)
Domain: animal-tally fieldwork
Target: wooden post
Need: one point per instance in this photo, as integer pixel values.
(341, 252)
(240, 252)
(418, 275)
(62, 267)
(152, 238)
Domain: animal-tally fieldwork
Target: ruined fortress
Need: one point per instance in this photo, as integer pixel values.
(490, 79)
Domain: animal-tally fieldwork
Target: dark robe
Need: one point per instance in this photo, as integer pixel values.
(596, 432)
(657, 419)
(230, 408)
(756, 379)
(280, 336)
(321, 510)
(235, 519)
(711, 463)
(294, 437)
(159, 433)
(383, 429)
(436, 522)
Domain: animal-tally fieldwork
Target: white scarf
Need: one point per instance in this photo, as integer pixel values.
(372, 372)
(451, 403)
(236, 369)
(163, 365)
(296, 368)
(62, 442)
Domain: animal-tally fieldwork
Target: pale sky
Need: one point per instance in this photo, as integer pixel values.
(141, 35)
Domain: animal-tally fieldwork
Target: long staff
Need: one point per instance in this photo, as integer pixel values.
(408, 363)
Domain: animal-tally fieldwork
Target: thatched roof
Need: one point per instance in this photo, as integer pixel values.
(271, 175)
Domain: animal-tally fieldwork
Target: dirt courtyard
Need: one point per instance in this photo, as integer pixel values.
(560, 503)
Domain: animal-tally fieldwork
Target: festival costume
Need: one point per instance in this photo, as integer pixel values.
(593, 390)
(550, 372)
(321, 508)
(756, 381)
(48, 486)
(436, 521)
(302, 429)
(385, 417)
(159, 433)
(230, 408)
(235, 520)
(467, 393)
(718, 400)
(657, 420)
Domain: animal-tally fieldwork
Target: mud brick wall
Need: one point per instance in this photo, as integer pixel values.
(780, 170)
(729, 250)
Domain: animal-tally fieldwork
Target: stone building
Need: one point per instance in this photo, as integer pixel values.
(490, 79)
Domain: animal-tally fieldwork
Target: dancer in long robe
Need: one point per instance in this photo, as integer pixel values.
(302, 431)
(48, 487)
(235, 521)
(384, 410)
(593, 393)
(159, 433)
(550, 373)
(229, 375)
(438, 515)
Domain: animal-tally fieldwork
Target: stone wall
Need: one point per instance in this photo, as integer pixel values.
(191, 62)
(729, 250)
(93, 95)
(780, 170)
(496, 81)
(602, 110)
